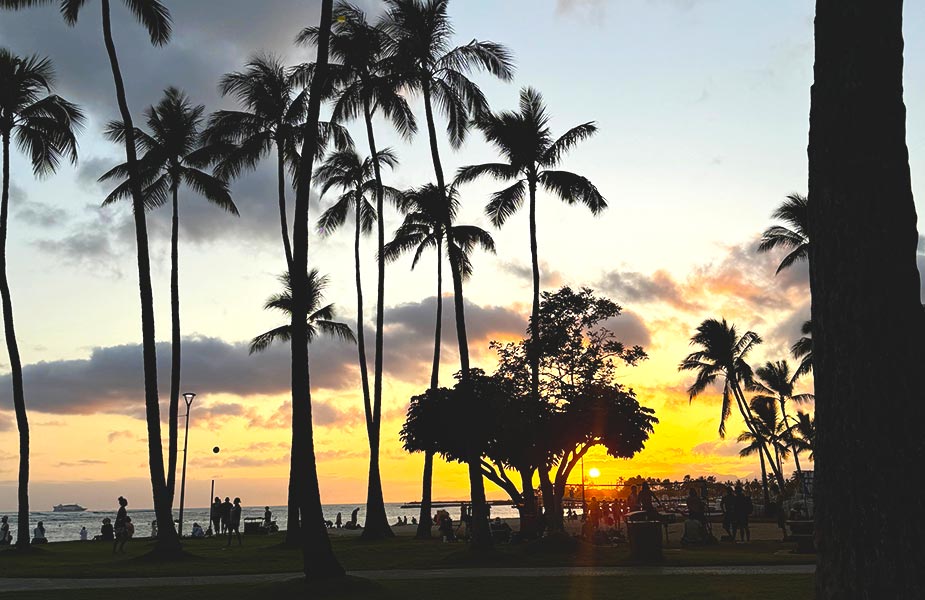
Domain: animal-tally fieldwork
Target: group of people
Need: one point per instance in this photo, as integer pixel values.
(226, 518)
(350, 525)
(736, 507)
(401, 521)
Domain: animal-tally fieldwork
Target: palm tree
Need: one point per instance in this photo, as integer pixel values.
(424, 228)
(320, 316)
(768, 432)
(44, 127)
(794, 236)
(318, 560)
(172, 155)
(365, 87)
(426, 62)
(805, 434)
(802, 350)
(722, 353)
(531, 155)
(774, 382)
(272, 119)
(155, 18)
(355, 176)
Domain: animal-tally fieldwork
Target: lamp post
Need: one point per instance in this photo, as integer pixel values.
(188, 397)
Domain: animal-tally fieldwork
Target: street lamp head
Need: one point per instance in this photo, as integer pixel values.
(188, 396)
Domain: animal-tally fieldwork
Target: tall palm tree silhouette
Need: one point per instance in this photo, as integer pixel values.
(722, 353)
(422, 229)
(318, 560)
(171, 156)
(365, 87)
(427, 63)
(356, 178)
(44, 127)
(794, 236)
(320, 316)
(272, 120)
(775, 382)
(155, 18)
(526, 143)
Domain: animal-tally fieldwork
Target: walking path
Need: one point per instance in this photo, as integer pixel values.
(47, 584)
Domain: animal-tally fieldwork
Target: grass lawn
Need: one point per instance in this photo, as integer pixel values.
(675, 587)
(265, 555)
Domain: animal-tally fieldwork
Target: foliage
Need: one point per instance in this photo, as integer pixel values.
(794, 236)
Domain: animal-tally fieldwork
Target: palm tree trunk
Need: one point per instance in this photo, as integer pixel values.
(550, 509)
(535, 312)
(281, 184)
(796, 457)
(377, 522)
(528, 521)
(750, 421)
(425, 522)
(764, 484)
(19, 400)
(865, 288)
(361, 335)
(318, 560)
(167, 539)
(174, 408)
(481, 534)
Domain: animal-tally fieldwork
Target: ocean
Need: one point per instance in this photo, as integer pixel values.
(62, 527)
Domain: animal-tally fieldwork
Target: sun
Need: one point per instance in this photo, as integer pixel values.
(594, 473)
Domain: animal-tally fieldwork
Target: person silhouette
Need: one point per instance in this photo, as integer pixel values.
(225, 514)
(215, 515)
(5, 537)
(234, 522)
(118, 543)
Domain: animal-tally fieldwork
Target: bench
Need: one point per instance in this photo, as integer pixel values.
(803, 533)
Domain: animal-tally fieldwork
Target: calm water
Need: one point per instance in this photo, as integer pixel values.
(61, 527)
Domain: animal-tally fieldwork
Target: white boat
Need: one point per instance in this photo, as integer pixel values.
(68, 508)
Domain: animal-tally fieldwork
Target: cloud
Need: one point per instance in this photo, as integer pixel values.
(110, 380)
(117, 435)
(726, 447)
(549, 276)
(629, 329)
(86, 462)
(94, 243)
(6, 421)
(639, 288)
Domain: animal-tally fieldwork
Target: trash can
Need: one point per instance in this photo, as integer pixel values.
(645, 538)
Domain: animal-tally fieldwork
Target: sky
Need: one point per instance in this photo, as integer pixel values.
(702, 108)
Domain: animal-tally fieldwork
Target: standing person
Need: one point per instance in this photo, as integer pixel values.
(267, 517)
(83, 534)
(5, 536)
(225, 514)
(338, 520)
(695, 508)
(234, 522)
(215, 515)
(119, 527)
(743, 508)
(727, 505)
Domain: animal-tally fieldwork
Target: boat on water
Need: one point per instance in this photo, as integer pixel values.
(68, 508)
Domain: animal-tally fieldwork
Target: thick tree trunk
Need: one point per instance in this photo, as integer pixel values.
(528, 513)
(174, 407)
(167, 539)
(19, 399)
(425, 522)
(481, 533)
(292, 493)
(318, 560)
(868, 321)
(361, 333)
(550, 509)
(281, 192)
(377, 522)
